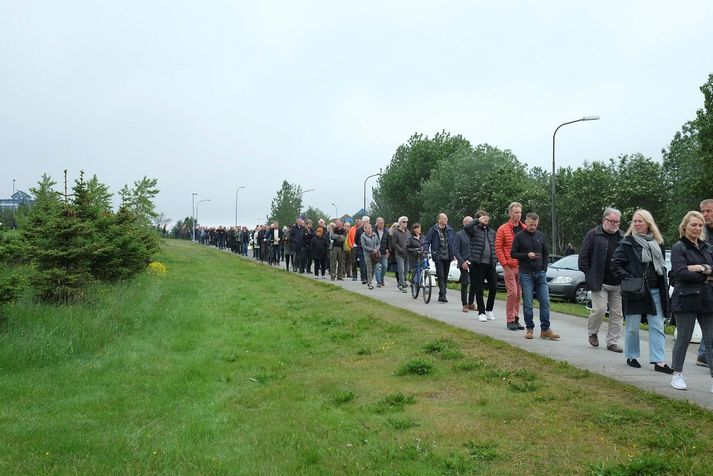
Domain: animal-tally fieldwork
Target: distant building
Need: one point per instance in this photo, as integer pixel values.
(16, 200)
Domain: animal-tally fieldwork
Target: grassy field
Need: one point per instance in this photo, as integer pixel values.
(223, 366)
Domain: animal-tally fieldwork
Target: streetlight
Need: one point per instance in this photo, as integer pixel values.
(370, 176)
(193, 216)
(336, 212)
(199, 202)
(552, 192)
(301, 194)
(236, 205)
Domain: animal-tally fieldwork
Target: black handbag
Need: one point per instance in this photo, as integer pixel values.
(633, 288)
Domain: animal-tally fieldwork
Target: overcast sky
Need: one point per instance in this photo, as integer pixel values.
(209, 96)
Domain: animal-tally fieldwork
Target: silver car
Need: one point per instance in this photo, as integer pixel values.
(566, 281)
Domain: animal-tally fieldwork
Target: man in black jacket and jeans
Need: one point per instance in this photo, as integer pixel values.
(529, 248)
(595, 262)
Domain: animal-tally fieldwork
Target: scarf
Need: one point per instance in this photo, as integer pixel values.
(650, 251)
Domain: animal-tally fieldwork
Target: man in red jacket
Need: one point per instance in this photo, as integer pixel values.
(503, 245)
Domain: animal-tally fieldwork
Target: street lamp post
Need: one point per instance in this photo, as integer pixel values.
(370, 176)
(199, 202)
(193, 216)
(336, 211)
(236, 204)
(552, 192)
(301, 194)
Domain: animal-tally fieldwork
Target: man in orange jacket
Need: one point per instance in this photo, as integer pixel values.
(503, 247)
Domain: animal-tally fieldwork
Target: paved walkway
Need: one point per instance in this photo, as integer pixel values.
(573, 347)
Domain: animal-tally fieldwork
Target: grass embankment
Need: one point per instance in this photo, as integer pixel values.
(223, 366)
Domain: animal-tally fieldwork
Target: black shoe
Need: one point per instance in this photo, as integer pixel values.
(663, 368)
(520, 327)
(442, 299)
(701, 360)
(633, 363)
(512, 326)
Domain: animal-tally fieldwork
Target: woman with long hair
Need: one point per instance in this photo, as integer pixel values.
(640, 254)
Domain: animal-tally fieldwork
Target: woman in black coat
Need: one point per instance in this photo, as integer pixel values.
(641, 254)
(692, 299)
(319, 249)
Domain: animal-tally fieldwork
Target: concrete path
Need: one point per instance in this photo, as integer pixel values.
(573, 347)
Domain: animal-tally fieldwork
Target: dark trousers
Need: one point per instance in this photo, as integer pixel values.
(478, 274)
(464, 281)
(686, 322)
(355, 261)
(320, 263)
(442, 268)
(362, 265)
(275, 254)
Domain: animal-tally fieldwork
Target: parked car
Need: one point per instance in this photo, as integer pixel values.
(566, 281)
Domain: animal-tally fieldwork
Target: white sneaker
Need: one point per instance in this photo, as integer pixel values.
(678, 383)
(490, 315)
(482, 318)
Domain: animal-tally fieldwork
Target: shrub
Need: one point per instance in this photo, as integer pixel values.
(416, 366)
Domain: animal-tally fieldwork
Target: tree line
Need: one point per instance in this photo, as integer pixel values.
(446, 173)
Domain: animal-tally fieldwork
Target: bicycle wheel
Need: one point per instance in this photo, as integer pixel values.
(414, 289)
(427, 286)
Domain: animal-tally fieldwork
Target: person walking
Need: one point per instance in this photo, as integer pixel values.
(529, 248)
(318, 249)
(640, 255)
(461, 251)
(595, 262)
(692, 299)
(439, 241)
(336, 254)
(482, 264)
(370, 248)
(400, 238)
(503, 246)
(384, 246)
(354, 250)
(706, 207)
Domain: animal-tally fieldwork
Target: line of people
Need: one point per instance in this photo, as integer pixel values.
(625, 271)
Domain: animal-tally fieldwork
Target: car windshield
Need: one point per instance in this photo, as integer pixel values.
(568, 262)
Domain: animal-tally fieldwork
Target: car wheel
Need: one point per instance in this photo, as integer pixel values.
(580, 295)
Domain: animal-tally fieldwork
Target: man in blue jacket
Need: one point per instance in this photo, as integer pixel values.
(440, 241)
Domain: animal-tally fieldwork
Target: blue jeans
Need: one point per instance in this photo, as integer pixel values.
(382, 271)
(402, 264)
(535, 283)
(657, 339)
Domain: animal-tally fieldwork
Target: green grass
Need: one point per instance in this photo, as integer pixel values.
(224, 366)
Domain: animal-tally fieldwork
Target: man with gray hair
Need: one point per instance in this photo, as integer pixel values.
(595, 262)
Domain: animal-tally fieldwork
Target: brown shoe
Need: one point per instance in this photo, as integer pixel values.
(471, 307)
(615, 348)
(528, 334)
(549, 334)
(593, 340)
(465, 308)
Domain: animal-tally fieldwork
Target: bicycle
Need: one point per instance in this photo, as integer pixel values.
(421, 280)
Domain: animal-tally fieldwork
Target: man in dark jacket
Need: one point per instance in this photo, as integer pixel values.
(461, 251)
(706, 207)
(482, 266)
(297, 238)
(529, 248)
(595, 262)
(439, 240)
